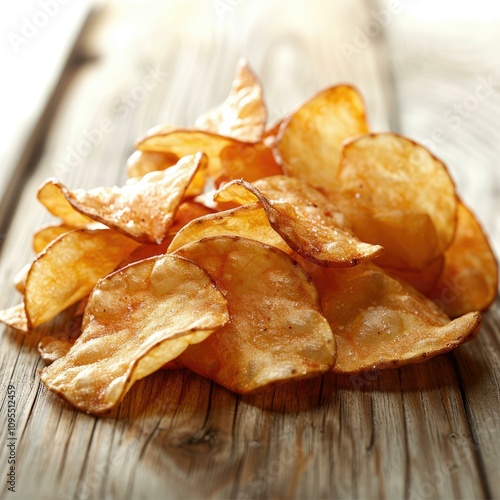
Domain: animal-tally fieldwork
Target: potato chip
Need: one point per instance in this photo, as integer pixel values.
(423, 280)
(276, 333)
(69, 268)
(50, 194)
(305, 219)
(311, 141)
(187, 212)
(47, 234)
(393, 173)
(15, 317)
(142, 209)
(243, 114)
(469, 281)
(137, 320)
(380, 322)
(249, 221)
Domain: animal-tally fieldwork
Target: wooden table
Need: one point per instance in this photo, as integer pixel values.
(422, 431)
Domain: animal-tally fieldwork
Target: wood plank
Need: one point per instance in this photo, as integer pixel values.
(176, 435)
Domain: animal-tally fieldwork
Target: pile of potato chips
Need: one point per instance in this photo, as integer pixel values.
(254, 256)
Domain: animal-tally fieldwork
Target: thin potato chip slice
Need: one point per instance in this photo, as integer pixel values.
(276, 333)
(51, 349)
(305, 219)
(380, 322)
(243, 114)
(68, 269)
(469, 281)
(249, 221)
(141, 163)
(137, 319)
(15, 317)
(142, 209)
(393, 173)
(311, 140)
(51, 196)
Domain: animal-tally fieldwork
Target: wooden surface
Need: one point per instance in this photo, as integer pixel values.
(423, 431)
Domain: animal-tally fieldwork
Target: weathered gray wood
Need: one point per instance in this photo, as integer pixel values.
(417, 432)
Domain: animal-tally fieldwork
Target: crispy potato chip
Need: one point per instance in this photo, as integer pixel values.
(249, 221)
(142, 209)
(51, 349)
(393, 173)
(469, 281)
(423, 280)
(305, 219)
(50, 195)
(276, 333)
(145, 252)
(141, 163)
(227, 158)
(47, 234)
(68, 269)
(187, 212)
(380, 322)
(15, 317)
(137, 320)
(243, 114)
(311, 141)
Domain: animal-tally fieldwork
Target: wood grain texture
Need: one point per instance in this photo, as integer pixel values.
(423, 431)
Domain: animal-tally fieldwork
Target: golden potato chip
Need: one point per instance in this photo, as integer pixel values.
(69, 268)
(305, 219)
(188, 211)
(51, 196)
(380, 322)
(249, 221)
(469, 281)
(393, 173)
(145, 252)
(243, 114)
(142, 209)
(137, 320)
(423, 280)
(276, 332)
(311, 141)
(47, 234)
(51, 349)
(141, 163)
(15, 317)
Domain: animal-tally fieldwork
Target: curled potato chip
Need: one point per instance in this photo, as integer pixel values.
(311, 140)
(68, 269)
(469, 281)
(137, 320)
(392, 173)
(15, 317)
(249, 221)
(380, 322)
(51, 196)
(243, 114)
(47, 234)
(142, 209)
(305, 219)
(276, 332)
